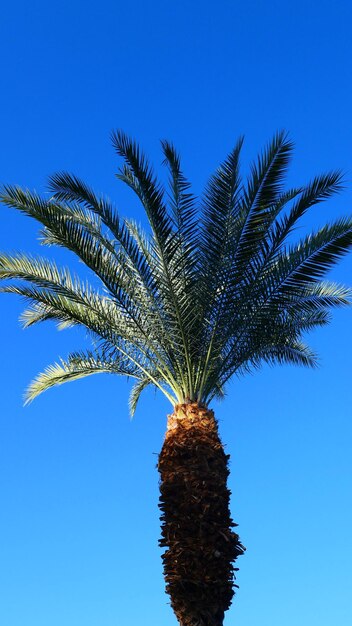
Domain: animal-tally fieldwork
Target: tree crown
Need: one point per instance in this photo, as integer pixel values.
(213, 289)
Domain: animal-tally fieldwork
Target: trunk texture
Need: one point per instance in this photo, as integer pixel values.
(196, 521)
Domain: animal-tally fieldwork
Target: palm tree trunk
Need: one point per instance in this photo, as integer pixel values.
(196, 521)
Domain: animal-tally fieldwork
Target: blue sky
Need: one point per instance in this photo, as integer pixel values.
(78, 483)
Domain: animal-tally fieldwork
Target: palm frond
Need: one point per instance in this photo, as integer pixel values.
(296, 353)
(264, 189)
(310, 259)
(77, 365)
(182, 202)
(135, 394)
(70, 189)
(319, 189)
(220, 205)
(138, 174)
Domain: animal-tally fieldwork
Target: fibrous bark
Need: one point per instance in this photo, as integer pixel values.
(196, 521)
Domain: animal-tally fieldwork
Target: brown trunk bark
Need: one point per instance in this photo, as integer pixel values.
(196, 521)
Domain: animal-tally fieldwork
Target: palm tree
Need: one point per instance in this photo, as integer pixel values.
(213, 289)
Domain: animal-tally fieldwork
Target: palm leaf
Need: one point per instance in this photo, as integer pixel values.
(77, 365)
(135, 394)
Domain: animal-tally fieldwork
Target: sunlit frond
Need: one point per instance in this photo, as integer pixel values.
(135, 394)
(77, 365)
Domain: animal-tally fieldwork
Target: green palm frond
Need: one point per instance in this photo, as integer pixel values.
(296, 353)
(135, 394)
(321, 295)
(70, 189)
(211, 289)
(319, 189)
(264, 189)
(219, 215)
(77, 365)
(138, 174)
(313, 257)
(182, 202)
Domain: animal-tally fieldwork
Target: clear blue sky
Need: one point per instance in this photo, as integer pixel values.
(79, 488)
